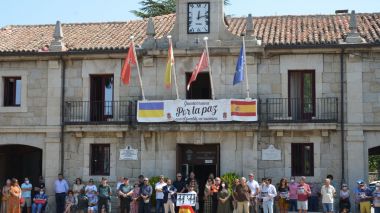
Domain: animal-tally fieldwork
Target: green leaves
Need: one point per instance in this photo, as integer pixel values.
(151, 8)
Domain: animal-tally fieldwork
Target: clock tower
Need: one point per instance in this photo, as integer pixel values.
(196, 19)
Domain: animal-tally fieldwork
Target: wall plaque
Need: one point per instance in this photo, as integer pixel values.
(271, 153)
(128, 154)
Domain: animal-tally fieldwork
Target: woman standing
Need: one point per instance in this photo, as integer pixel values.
(5, 197)
(135, 196)
(14, 198)
(208, 196)
(223, 199)
(77, 187)
(283, 194)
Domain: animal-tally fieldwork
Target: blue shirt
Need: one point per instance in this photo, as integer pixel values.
(61, 186)
(26, 194)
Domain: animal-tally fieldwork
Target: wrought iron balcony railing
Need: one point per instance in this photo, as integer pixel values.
(290, 110)
(79, 112)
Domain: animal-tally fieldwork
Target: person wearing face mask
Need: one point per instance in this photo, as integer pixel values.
(39, 201)
(293, 186)
(344, 202)
(267, 194)
(26, 188)
(376, 198)
(223, 196)
(363, 196)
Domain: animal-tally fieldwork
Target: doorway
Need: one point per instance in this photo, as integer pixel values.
(203, 160)
(199, 89)
(20, 161)
(101, 97)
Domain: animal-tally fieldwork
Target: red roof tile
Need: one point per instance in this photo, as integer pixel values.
(272, 30)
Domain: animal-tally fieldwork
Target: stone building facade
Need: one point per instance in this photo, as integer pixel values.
(54, 116)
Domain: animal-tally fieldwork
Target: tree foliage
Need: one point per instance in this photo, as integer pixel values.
(151, 8)
(374, 163)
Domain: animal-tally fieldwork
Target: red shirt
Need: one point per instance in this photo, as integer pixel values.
(303, 192)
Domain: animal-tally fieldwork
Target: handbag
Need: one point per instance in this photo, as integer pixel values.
(22, 200)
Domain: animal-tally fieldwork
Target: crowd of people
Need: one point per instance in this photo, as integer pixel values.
(243, 196)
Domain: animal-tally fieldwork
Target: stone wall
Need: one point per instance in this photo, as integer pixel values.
(371, 88)
(34, 86)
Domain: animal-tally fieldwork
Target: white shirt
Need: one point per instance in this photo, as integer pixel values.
(253, 185)
(327, 194)
(118, 185)
(159, 185)
(268, 192)
(90, 188)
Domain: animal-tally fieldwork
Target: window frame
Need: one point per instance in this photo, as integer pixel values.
(304, 115)
(98, 112)
(6, 98)
(99, 171)
(298, 159)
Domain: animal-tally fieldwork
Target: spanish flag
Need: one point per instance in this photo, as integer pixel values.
(169, 67)
(186, 209)
(244, 110)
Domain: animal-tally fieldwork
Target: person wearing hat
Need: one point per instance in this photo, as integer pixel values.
(125, 192)
(145, 194)
(363, 196)
(160, 194)
(344, 202)
(376, 198)
(104, 196)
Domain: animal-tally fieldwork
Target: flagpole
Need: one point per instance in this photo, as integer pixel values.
(173, 65)
(138, 67)
(246, 68)
(209, 68)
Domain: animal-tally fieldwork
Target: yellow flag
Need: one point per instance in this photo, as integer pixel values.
(169, 66)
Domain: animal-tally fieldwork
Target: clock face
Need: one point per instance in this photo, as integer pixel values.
(198, 19)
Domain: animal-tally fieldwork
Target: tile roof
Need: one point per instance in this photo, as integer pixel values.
(308, 30)
(272, 30)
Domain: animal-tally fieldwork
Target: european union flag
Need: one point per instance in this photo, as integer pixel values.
(239, 74)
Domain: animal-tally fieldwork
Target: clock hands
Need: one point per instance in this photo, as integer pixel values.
(199, 14)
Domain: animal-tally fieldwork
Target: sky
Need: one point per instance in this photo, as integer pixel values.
(25, 12)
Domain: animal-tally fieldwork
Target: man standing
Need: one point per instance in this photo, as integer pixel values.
(104, 196)
(363, 196)
(125, 192)
(26, 188)
(242, 195)
(160, 195)
(145, 194)
(254, 187)
(61, 188)
(303, 192)
(267, 194)
(180, 185)
(169, 196)
(328, 193)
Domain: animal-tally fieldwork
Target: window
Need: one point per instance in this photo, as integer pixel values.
(302, 159)
(301, 94)
(100, 159)
(12, 91)
(199, 89)
(101, 95)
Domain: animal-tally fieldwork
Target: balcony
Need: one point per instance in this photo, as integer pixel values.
(98, 112)
(297, 110)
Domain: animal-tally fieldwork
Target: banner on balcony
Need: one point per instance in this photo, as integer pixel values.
(201, 111)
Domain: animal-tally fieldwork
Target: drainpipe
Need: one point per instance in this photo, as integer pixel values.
(342, 109)
(63, 80)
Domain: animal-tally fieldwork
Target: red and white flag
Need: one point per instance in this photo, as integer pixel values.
(129, 60)
(202, 64)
